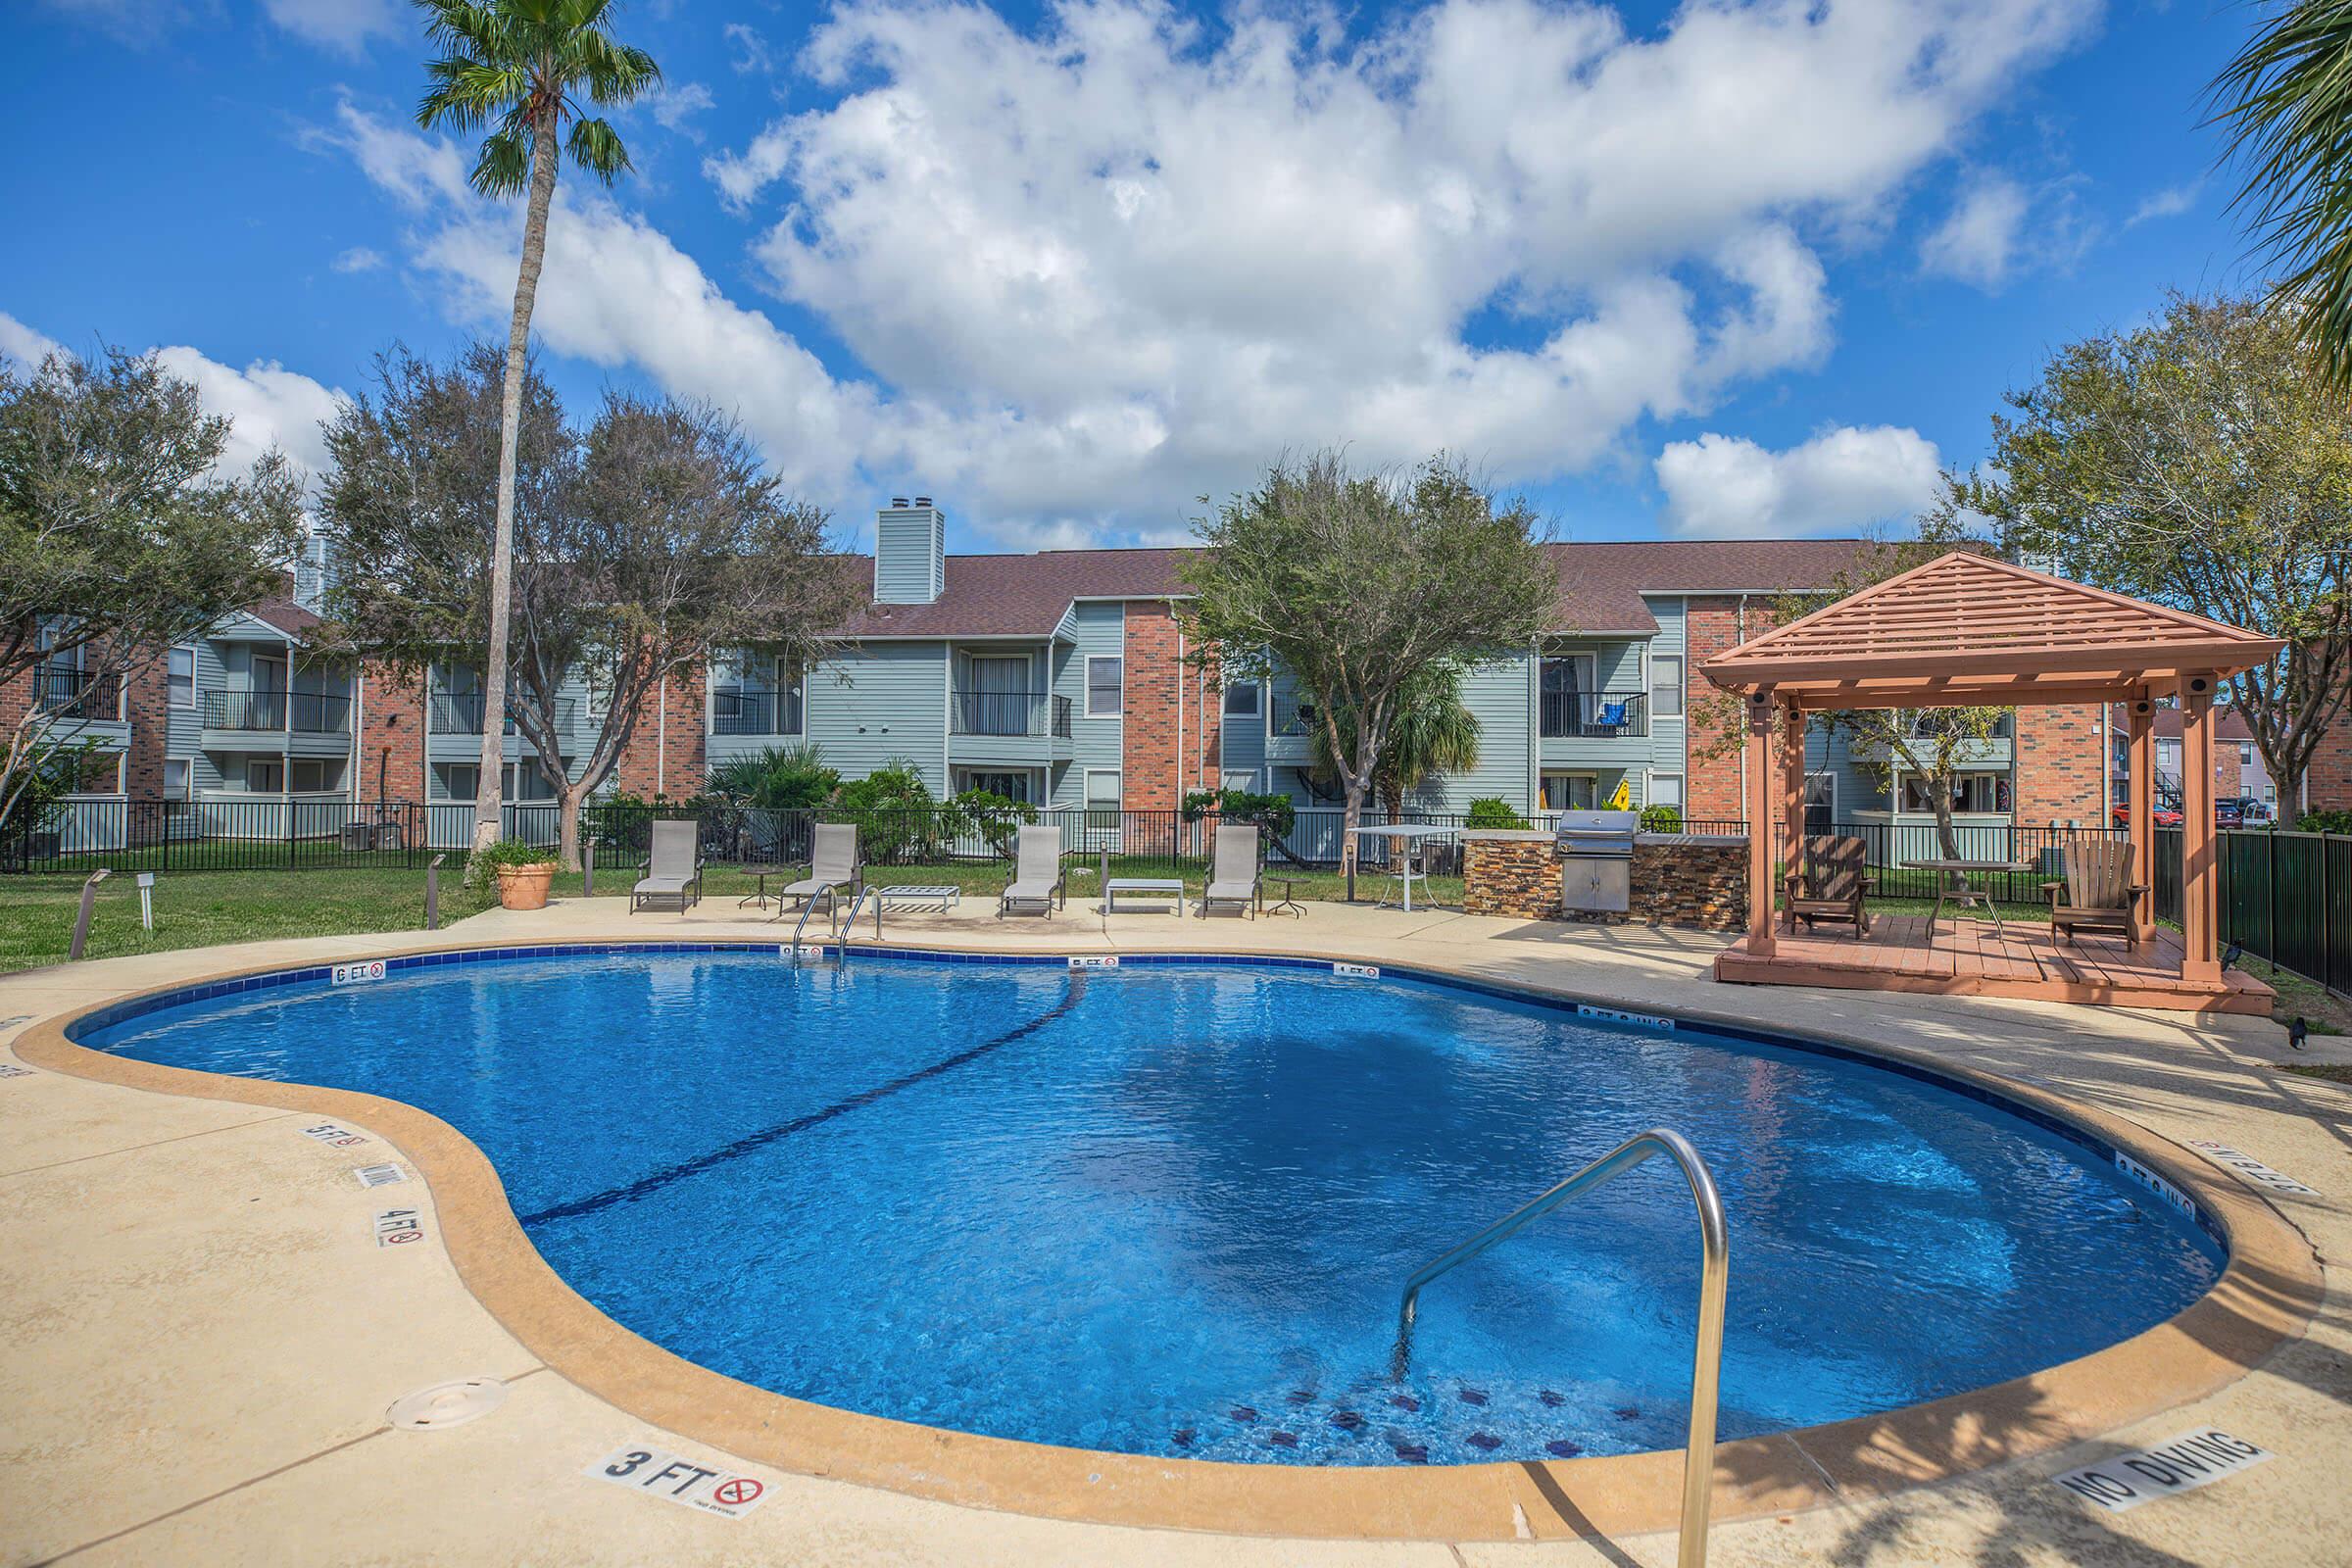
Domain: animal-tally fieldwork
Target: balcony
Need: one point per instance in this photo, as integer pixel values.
(1013, 728)
(77, 693)
(460, 714)
(277, 712)
(1593, 715)
(742, 712)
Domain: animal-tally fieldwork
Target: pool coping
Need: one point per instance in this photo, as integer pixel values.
(2269, 1290)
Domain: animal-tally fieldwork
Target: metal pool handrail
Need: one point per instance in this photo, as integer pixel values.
(1714, 1274)
(831, 891)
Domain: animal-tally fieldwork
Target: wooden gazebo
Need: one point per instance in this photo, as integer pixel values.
(1967, 630)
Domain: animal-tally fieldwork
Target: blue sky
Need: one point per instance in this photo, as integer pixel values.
(1702, 270)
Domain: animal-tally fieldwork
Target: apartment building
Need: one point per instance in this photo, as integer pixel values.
(1060, 679)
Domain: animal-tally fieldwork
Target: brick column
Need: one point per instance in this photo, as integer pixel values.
(391, 750)
(1148, 762)
(2060, 767)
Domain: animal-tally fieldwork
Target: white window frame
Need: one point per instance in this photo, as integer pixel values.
(447, 769)
(1682, 690)
(188, 649)
(251, 763)
(1256, 699)
(1087, 797)
(1682, 791)
(1571, 774)
(1092, 711)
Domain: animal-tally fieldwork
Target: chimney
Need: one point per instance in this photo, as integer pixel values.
(911, 552)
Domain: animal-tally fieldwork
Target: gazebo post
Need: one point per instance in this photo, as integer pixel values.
(1793, 786)
(2199, 901)
(1758, 809)
(2139, 803)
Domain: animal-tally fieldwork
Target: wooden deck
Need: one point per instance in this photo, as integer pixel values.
(1965, 956)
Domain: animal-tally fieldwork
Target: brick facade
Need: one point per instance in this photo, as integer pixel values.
(2059, 777)
(667, 754)
(1676, 880)
(147, 705)
(1149, 762)
(391, 754)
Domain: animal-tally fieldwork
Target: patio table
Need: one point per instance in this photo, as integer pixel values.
(1408, 868)
(1963, 896)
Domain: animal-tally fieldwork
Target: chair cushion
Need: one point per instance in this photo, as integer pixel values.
(1231, 889)
(663, 884)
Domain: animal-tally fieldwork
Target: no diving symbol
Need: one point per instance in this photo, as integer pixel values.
(737, 1491)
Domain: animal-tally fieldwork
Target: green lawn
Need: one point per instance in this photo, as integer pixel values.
(200, 908)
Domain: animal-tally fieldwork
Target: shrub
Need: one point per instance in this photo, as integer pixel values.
(1493, 811)
(52, 779)
(776, 778)
(1276, 815)
(897, 818)
(993, 817)
(1661, 819)
(2325, 822)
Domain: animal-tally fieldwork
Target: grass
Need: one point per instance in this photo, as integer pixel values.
(2321, 1070)
(201, 909)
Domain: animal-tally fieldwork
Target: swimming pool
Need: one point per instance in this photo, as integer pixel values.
(1167, 1209)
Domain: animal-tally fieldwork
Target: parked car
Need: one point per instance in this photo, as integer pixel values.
(2229, 813)
(2254, 809)
(2163, 815)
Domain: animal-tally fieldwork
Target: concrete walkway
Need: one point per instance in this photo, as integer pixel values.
(199, 1338)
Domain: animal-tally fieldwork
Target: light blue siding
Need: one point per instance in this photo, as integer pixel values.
(883, 701)
(1100, 630)
(910, 554)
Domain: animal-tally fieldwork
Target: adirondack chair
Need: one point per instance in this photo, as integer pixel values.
(1831, 884)
(2098, 893)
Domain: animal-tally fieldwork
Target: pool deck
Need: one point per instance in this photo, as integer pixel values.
(199, 1335)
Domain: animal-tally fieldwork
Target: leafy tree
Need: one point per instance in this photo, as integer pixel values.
(1358, 585)
(2286, 103)
(2199, 461)
(648, 544)
(520, 68)
(995, 819)
(120, 533)
(1431, 731)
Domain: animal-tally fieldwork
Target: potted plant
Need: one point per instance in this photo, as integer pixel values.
(523, 872)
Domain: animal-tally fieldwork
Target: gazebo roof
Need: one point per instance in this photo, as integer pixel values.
(1968, 630)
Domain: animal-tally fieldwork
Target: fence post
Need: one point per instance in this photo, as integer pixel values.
(2326, 938)
(588, 866)
(81, 921)
(2274, 890)
(433, 893)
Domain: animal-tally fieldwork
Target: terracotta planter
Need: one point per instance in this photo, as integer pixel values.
(524, 886)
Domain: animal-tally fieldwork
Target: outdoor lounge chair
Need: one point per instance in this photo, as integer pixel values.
(1831, 884)
(1039, 884)
(673, 871)
(1235, 876)
(2098, 893)
(832, 865)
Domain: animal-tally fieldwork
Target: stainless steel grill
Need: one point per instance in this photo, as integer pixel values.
(1597, 858)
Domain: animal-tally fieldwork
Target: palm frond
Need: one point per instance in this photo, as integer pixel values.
(2286, 102)
(515, 65)
(595, 147)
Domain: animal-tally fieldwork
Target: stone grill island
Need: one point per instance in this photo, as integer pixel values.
(1686, 879)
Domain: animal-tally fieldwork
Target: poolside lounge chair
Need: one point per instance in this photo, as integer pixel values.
(1039, 884)
(832, 865)
(673, 870)
(1235, 876)
(2098, 893)
(1831, 884)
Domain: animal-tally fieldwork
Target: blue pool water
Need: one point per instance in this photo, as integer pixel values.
(1168, 1209)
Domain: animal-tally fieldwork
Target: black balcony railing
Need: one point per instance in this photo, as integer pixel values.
(461, 713)
(735, 712)
(1008, 713)
(1594, 714)
(1292, 717)
(301, 712)
(77, 693)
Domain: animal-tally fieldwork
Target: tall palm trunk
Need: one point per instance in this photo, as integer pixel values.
(488, 792)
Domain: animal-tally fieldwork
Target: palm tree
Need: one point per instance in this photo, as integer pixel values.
(1431, 730)
(2287, 101)
(520, 68)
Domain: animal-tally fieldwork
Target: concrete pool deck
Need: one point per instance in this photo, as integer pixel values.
(199, 1335)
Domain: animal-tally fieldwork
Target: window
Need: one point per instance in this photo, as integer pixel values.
(264, 777)
(1105, 678)
(1979, 792)
(1102, 787)
(1570, 791)
(180, 675)
(1013, 786)
(460, 781)
(1666, 789)
(176, 778)
(1243, 779)
(1241, 700)
(314, 775)
(1666, 686)
(2245, 754)
(526, 781)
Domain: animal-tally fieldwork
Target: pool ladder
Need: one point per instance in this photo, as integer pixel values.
(1706, 1368)
(831, 895)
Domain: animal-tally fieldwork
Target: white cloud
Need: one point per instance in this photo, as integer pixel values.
(2171, 202)
(342, 26)
(359, 258)
(674, 107)
(266, 405)
(755, 59)
(1106, 264)
(1842, 480)
(1979, 239)
(24, 344)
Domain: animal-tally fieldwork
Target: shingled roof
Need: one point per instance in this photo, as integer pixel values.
(1026, 595)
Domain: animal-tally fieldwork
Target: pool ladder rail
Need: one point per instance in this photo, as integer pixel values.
(831, 894)
(1706, 1368)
